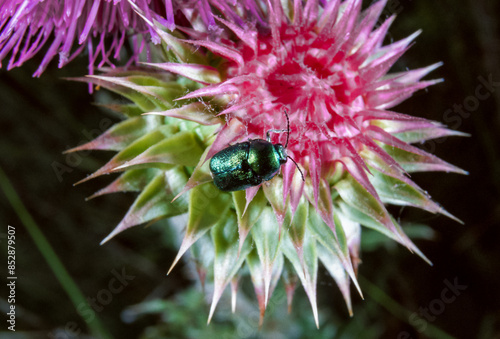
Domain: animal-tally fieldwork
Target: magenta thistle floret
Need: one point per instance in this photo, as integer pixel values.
(68, 27)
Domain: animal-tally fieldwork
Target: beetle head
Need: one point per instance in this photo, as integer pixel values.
(282, 156)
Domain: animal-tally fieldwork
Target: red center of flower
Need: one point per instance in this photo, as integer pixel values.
(303, 74)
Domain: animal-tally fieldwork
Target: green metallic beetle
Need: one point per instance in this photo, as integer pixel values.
(249, 163)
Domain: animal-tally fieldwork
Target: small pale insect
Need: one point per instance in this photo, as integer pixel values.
(250, 163)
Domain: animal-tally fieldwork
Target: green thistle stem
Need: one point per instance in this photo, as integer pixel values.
(57, 267)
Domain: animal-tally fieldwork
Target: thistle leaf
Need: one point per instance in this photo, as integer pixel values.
(425, 134)
(247, 214)
(130, 110)
(153, 203)
(296, 192)
(179, 149)
(226, 261)
(199, 73)
(195, 111)
(273, 191)
(371, 222)
(120, 135)
(133, 150)
(206, 205)
(225, 51)
(257, 275)
(147, 92)
(420, 161)
(297, 228)
(307, 269)
(356, 196)
(200, 175)
(394, 191)
(258, 280)
(119, 86)
(202, 253)
(129, 181)
(266, 236)
(290, 279)
(324, 203)
(335, 243)
(336, 269)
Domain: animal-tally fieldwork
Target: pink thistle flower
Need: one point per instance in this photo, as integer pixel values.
(324, 62)
(329, 68)
(101, 26)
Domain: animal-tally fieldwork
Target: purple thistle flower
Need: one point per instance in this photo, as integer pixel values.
(101, 26)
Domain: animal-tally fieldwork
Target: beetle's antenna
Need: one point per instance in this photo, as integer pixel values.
(288, 137)
(301, 174)
(268, 134)
(287, 129)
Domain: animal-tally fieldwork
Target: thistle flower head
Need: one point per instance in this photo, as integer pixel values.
(327, 65)
(329, 69)
(71, 26)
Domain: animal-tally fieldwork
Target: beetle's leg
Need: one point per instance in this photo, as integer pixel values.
(268, 134)
(281, 130)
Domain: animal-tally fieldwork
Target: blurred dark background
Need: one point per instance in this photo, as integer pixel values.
(40, 118)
